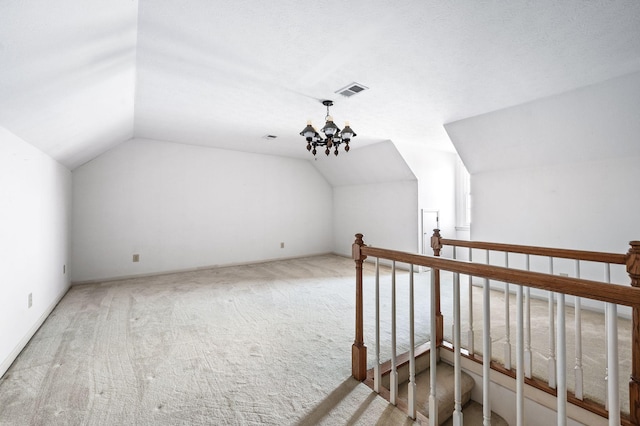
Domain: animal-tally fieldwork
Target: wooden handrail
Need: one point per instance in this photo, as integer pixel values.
(612, 293)
(592, 256)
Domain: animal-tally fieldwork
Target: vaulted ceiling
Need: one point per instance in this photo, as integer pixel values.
(77, 77)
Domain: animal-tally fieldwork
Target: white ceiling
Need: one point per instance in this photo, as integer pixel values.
(363, 166)
(77, 77)
(592, 123)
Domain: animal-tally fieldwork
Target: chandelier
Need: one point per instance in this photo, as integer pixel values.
(333, 135)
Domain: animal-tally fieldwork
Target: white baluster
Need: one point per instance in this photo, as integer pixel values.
(486, 351)
(519, 359)
(393, 376)
(552, 337)
(578, 373)
(507, 320)
(562, 363)
(612, 356)
(377, 376)
(412, 356)
(607, 279)
(528, 359)
(470, 339)
(433, 356)
(606, 357)
(453, 325)
(457, 358)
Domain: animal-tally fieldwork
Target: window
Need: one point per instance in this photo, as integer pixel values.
(463, 197)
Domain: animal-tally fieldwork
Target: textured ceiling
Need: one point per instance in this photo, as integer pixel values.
(77, 78)
(592, 123)
(67, 75)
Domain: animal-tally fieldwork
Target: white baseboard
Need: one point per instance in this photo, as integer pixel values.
(6, 363)
(198, 268)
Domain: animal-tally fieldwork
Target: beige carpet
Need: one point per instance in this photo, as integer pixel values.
(260, 344)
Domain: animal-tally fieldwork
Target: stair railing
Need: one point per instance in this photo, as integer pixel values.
(578, 256)
(611, 294)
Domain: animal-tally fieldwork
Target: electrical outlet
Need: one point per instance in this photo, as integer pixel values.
(136, 258)
(281, 245)
(30, 299)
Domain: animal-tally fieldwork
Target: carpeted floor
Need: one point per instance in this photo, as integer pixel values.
(260, 344)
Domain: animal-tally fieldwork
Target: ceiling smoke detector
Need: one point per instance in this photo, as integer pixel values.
(351, 89)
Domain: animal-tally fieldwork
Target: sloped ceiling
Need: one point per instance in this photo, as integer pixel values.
(375, 163)
(67, 75)
(593, 123)
(77, 77)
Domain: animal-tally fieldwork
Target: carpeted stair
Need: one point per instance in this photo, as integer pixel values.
(472, 411)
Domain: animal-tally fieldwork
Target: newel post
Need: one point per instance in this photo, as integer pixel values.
(633, 269)
(359, 350)
(436, 245)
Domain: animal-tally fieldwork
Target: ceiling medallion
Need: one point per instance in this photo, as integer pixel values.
(333, 135)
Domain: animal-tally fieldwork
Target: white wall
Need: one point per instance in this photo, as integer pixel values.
(35, 194)
(182, 207)
(436, 173)
(561, 171)
(374, 193)
(589, 206)
(386, 213)
(379, 191)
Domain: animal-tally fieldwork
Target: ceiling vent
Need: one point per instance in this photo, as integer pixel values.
(351, 89)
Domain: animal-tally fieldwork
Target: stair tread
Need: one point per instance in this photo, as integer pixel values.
(472, 415)
(472, 411)
(444, 394)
